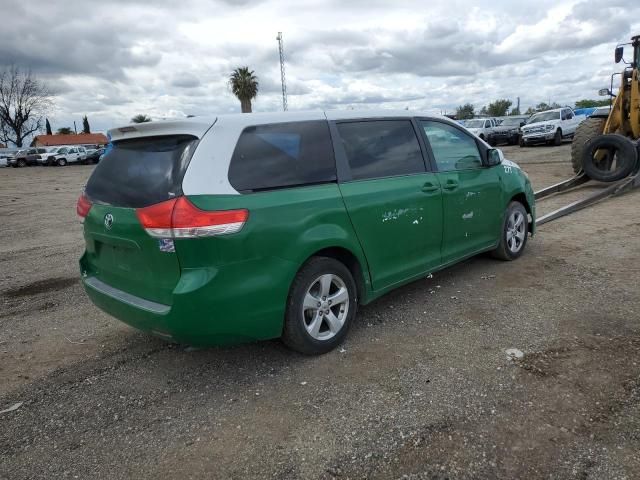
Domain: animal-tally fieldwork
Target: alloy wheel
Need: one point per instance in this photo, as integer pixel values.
(325, 306)
(515, 232)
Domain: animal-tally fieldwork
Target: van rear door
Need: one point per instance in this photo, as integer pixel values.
(135, 173)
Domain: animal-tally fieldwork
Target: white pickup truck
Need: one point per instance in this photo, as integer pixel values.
(550, 127)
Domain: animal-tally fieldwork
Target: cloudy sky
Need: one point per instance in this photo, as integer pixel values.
(112, 59)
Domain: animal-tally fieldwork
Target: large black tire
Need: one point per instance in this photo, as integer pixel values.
(22, 163)
(298, 319)
(623, 148)
(61, 162)
(557, 139)
(588, 129)
(510, 251)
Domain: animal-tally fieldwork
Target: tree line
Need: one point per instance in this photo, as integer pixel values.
(500, 108)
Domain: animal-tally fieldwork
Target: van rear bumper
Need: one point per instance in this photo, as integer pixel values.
(237, 303)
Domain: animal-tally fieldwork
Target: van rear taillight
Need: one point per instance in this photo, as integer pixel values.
(83, 206)
(179, 218)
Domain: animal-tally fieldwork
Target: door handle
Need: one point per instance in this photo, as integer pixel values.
(450, 184)
(430, 188)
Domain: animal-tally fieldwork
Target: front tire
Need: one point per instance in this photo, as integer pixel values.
(557, 139)
(61, 162)
(322, 304)
(515, 230)
(22, 163)
(588, 129)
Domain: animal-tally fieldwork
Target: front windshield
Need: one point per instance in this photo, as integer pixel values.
(62, 150)
(474, 123)
(544, 117)
(511, 122)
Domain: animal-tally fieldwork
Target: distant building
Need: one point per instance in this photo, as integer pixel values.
(98, 139)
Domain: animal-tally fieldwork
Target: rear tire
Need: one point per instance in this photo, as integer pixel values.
(515, 230)
(322, 304)
(588, 129)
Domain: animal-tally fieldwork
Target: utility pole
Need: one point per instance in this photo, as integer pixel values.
(284, 84)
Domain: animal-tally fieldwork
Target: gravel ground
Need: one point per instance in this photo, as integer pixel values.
(422, 388)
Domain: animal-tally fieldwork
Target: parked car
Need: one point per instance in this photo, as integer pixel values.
(508, 131)
(93, 156)
(64, 155)
(25, 157)
(6, 154)
(482, 127)
(550, 127)
(300, 218)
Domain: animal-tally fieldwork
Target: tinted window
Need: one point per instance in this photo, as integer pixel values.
(282, 155)
(140, 172)
(383, 148)
(452, 148)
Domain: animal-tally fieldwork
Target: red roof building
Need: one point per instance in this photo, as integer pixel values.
(73, 139)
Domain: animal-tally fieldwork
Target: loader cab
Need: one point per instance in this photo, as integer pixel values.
(635, 44)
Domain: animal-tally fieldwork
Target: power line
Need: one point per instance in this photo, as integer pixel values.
(284, 84)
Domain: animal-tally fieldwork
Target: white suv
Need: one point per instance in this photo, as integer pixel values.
(64, 155)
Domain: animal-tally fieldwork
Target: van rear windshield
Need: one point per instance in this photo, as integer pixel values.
(140, 172)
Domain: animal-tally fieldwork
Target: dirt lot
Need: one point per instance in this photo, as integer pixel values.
(422, 388)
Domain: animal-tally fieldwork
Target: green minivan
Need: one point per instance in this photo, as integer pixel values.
(257, 226)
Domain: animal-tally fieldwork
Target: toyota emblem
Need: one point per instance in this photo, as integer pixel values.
(108, 221)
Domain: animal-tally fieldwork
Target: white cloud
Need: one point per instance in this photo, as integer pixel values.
(116, 58)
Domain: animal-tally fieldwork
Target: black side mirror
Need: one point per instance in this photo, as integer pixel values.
(493, 157)
(522, 124)
(618, 53)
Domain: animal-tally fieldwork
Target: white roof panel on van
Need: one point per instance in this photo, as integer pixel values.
(196, 126)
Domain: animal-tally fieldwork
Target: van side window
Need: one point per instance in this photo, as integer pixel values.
(452, 148)
(381, 148)
(282, 155)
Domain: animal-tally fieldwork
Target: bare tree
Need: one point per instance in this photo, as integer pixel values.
(23, 101)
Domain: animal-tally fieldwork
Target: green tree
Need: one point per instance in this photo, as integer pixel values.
(465, 111)
(48, 127)
(542, 107)
(499, 107)
(244, 85)
(530, 111)
(585, 103)
(515, 111)
(64, 131)
(85, 125)
(141, 118)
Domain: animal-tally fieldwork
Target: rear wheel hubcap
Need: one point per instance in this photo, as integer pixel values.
(325, 306)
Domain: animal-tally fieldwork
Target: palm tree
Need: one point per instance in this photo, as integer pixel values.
(141, 118)
(244, 85)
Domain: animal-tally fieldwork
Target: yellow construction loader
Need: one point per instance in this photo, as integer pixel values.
(605, 146)
(622, 120)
